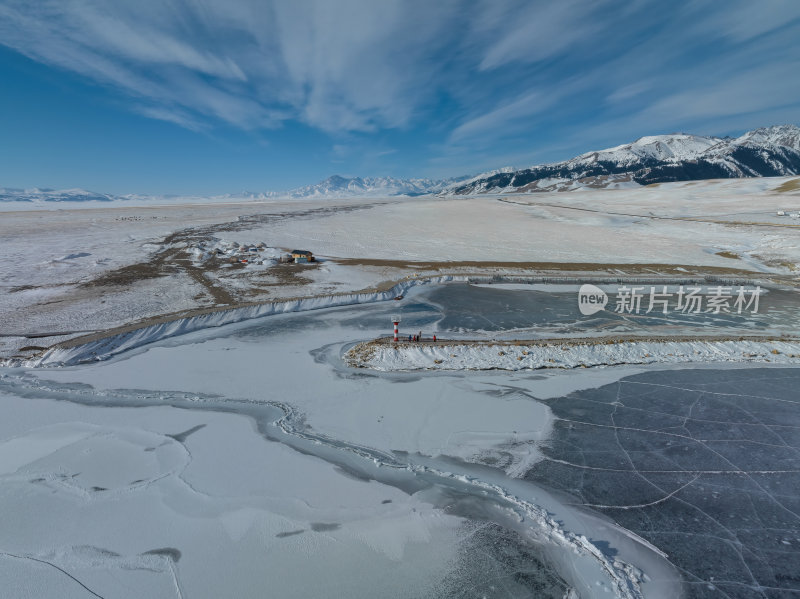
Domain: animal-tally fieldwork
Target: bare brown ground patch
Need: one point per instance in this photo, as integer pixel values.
(777, 263)
(263, 283)
(174, 256)
(128, 275)
(31, 348)
(792, 185)
(550, 267)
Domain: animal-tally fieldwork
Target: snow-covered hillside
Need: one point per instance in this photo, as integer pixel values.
(11, 194)
(337, 186)
(766, 152)
(331, 188)
(651, 147)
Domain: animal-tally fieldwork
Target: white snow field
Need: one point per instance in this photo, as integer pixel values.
(73, 267)
(235, 453)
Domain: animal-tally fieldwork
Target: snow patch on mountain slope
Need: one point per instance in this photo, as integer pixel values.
(658, 147)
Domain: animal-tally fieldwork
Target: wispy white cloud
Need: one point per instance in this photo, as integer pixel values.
(352, 65)
(498, 120)
(137, 58)
(485, 70)
(172, 115)
(630, 90)
(750, 91)
(526, 32)
(742, 20)
(693, 67)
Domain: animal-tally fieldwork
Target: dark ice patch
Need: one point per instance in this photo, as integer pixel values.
(76, 255)
(169, 552)
(352, 474)
(405, 379)
(290, 533)
(703, 463)
(325, 526)
(181, 437)
(93, 552)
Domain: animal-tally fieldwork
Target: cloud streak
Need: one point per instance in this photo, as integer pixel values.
(486, 70)
(344, 66)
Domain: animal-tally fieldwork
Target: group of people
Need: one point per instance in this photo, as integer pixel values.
(419, 337)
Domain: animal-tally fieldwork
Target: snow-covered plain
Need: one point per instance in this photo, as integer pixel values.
(618, 227)
(236, 453)
(77, 266)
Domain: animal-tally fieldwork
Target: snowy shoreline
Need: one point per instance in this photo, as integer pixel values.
(542, 516)
(515, 356)
(105, 345)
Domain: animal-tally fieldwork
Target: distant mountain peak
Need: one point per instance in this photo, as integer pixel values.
(764, 152)
(45, 194)
(337, 186)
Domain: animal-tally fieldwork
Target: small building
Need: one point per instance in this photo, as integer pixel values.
(302, 256)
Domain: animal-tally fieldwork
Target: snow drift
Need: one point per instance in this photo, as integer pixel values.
(505, 356)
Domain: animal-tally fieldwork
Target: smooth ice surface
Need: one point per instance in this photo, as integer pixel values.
(704, 464)
(122, 508)
(537, 310)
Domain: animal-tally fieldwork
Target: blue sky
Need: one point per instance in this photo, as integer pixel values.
(216, 96)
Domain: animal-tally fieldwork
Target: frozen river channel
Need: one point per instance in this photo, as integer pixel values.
(249, 461)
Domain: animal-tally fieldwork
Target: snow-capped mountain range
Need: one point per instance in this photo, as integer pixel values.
(332, 187)
(11, 194)
(337, 186)
(766, 152)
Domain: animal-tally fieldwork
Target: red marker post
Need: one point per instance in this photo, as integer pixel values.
(395, 321)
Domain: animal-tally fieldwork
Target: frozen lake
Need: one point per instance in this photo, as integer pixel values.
(543, 310)
(704, 464)
(248, 460)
